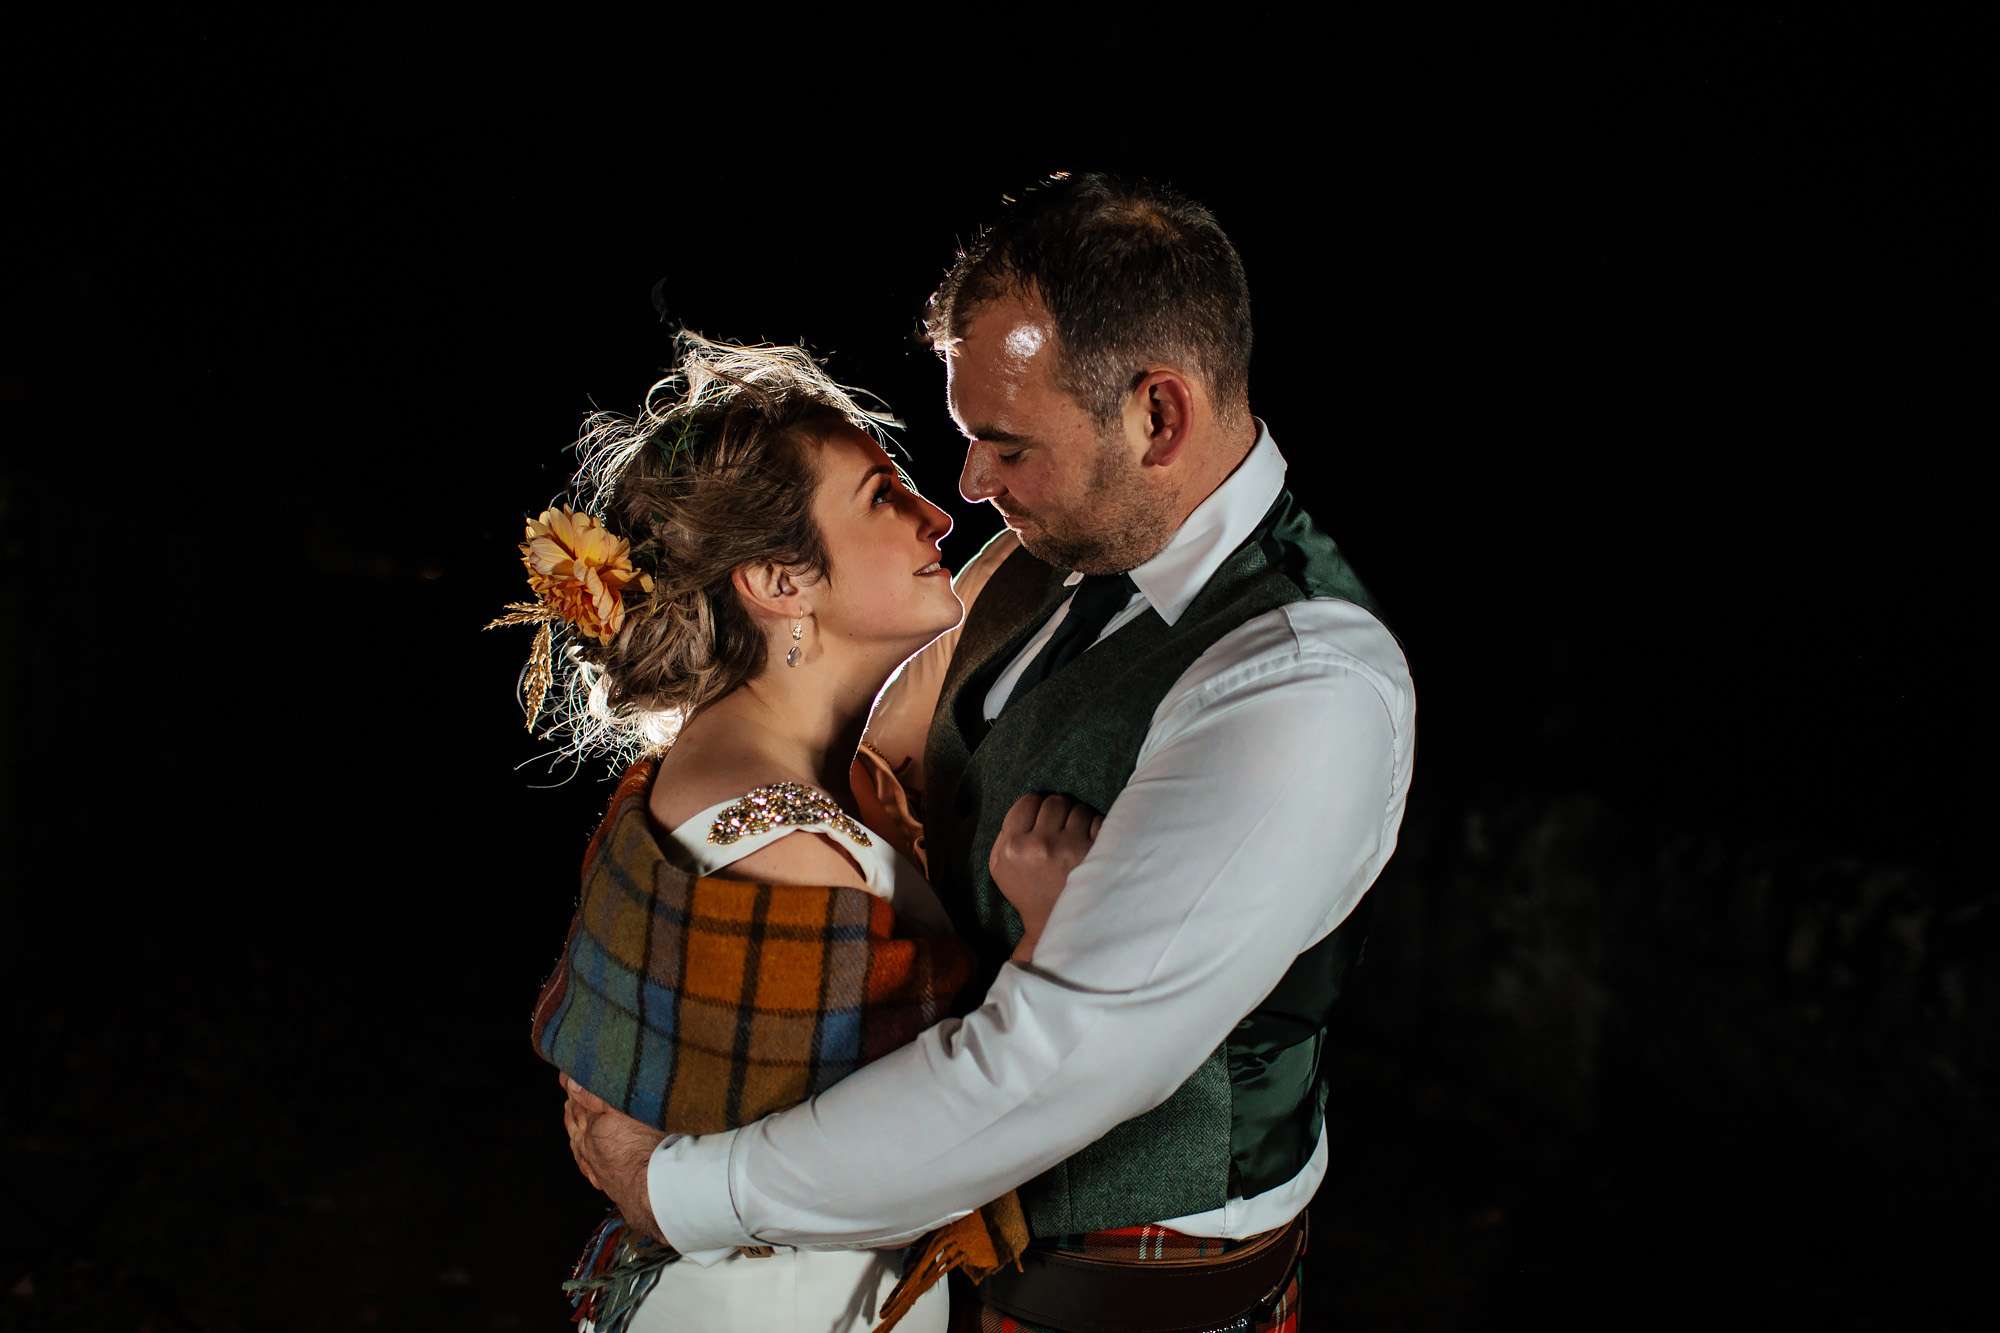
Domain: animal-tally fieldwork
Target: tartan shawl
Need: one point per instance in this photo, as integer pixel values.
(697, 1004)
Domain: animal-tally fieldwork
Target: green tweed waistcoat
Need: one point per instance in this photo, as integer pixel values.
(1248, 1119)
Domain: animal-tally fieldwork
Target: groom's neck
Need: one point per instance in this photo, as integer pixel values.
(1213, 461)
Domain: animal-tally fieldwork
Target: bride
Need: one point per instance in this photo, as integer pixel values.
(744, 571)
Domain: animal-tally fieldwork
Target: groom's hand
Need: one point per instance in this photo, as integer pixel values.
(612, 1150)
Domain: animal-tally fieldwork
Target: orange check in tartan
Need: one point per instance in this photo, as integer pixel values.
(697, 1003)
(1140, 1245)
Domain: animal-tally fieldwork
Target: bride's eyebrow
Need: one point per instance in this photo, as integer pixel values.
(871, 474)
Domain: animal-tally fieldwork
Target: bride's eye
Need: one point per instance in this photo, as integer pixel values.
(883, 494)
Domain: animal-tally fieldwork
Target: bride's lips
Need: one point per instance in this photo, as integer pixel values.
(933, 569)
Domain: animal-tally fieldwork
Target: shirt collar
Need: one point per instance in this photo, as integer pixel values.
(1171, 580)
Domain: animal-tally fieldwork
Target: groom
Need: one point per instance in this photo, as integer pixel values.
(1162, 633)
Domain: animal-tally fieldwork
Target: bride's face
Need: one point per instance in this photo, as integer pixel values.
(880, 534)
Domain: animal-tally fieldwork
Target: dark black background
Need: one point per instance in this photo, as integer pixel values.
(1635, 361)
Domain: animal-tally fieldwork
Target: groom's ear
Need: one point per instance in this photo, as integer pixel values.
(769, 590)
(1159, 415)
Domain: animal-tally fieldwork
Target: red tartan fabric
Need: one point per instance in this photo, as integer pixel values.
(1138, 1245)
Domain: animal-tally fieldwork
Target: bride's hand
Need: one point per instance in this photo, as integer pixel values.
(1041, 840)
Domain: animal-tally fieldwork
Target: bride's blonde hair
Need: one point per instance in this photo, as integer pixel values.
(715, 471)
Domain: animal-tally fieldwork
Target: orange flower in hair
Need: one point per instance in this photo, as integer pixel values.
(580, 572)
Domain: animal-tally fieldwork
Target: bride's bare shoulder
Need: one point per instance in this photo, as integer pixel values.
(704, 778)
(693, 778)
(973, 577)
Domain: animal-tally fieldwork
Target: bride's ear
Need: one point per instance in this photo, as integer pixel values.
(769, 591)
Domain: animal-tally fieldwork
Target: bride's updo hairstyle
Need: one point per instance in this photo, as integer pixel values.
(717, 470)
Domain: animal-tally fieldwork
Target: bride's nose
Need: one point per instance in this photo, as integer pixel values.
(936, 524)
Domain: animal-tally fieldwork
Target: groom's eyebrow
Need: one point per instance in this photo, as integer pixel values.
(994, 435)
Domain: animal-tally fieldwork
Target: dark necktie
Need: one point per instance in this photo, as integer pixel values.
(1098, 598)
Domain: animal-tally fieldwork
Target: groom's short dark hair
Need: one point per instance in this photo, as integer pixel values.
(1130, 272)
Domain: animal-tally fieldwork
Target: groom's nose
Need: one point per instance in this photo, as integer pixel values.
(978, 479)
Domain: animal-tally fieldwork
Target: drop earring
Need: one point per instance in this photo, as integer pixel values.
(792, 653)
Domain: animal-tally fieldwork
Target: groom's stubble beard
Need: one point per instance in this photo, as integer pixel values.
(1117, 524)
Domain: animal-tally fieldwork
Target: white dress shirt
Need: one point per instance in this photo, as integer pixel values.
(1266, 798)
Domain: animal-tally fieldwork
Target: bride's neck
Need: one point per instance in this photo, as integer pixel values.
(808, 723)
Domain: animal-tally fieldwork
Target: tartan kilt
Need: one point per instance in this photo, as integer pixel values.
(1138, 1245)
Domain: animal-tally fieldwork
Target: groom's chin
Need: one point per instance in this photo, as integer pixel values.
(1060, 554)
(1035, 540)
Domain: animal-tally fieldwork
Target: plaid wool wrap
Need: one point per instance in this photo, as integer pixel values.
(697, 1004)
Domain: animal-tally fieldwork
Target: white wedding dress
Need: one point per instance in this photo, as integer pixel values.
(798, 1291)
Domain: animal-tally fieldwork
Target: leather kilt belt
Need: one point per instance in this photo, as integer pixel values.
(1081, 1293)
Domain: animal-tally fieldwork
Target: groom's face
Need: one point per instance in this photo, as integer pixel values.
(1072, 490)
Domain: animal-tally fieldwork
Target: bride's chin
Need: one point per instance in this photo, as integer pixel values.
(943, 624)
(939, 613)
